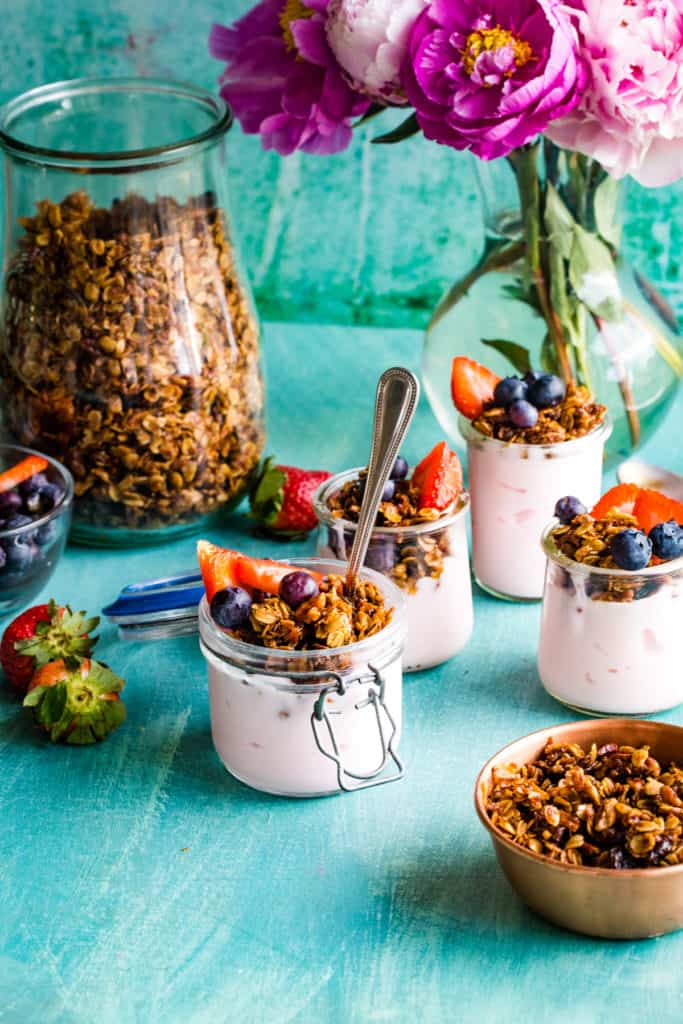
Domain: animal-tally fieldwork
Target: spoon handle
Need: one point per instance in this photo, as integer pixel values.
(398, 391)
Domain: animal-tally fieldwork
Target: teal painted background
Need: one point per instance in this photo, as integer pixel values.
(371, 236)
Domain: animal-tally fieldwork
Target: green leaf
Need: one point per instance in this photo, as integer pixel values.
(373, 110)
(548, 357)
(517, 355)
(559, 223)
(593, 275)
(403, 131)
(605, 208)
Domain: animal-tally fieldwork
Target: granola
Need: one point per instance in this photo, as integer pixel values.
(404, 559)
(577, 414)
(333, 618)
(611, 806)
(130, 352)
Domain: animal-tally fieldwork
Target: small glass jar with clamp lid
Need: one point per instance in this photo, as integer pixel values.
(313, 722)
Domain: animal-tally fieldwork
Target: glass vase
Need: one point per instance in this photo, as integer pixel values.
(129, 346)
(622, 338)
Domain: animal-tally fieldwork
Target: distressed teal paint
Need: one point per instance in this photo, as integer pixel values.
(384, 906)
(372, 236)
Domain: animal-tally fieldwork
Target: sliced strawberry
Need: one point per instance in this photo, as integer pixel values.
(23, 470)
(653, 507)
(621, 498)
(265, 574)
(472, 385)
(439, 478)
(218, 567)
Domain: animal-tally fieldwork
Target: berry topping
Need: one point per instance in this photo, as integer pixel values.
(509, 390)
(439, 478)
(400, 470)
(218, 567)
(381, 556)
(621, 498)
(389, 490)
(281, 500)
(546, 391)
(297, 587)
(10, 502)
(531, 375)
(222, 568)
(568, 508)
(631, 549)
(667, 540)
(651, 508)
(230, 607)
(472, 386)
(523, 413)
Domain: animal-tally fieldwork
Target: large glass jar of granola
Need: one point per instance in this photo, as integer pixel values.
(129, 346)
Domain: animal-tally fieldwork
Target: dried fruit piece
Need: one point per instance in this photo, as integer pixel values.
(76, 706)
(472, 386)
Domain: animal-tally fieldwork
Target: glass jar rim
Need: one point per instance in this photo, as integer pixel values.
(326, 489)
(230, 649)
(32, 98)
(601, 432)
(552, 552)
(55, 512)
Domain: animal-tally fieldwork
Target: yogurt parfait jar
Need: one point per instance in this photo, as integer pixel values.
(428, 561)
(514, 488)
(308, 723)
(610, 641)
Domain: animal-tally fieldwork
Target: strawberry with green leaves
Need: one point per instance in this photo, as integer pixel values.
(281, 499)
(76, 705)
(42, 634)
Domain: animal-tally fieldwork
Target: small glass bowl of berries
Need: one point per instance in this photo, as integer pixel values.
(36, 498)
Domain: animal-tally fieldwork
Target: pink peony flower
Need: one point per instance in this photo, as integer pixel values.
(369, 38)
(489, 75)
(282, 80)
(630, 116)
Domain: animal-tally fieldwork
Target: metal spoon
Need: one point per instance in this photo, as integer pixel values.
(398, 391)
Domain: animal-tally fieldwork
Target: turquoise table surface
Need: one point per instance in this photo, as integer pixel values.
(140, 883)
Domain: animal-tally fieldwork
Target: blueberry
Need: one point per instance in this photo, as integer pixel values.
(10, 501)
(3, 557)
(509, 390)
(619, 858)
(548, 390)
(230, 607)
(631, 549)
(297, 587)
(531, 375)
(33, 485)
(15, 521)
(400, 470)
(523, 413)
(50, 496)
(389, 491)
(33, 503)
(667, 540)
(381, 556)
(19, 553)
(47, 534)
(568, 508)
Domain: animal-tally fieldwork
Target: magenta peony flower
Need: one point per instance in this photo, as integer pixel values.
(282, 80)
(369, 38)
(489, 75)
(630, 116)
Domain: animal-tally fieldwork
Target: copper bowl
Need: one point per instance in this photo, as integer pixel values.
(613, 904)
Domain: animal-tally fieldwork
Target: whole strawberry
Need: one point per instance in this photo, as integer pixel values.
(42, 634)
(76, 704)
(281, 499)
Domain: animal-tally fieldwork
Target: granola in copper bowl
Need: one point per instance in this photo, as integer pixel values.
(610, 806)
(130, 352)
(433, 492)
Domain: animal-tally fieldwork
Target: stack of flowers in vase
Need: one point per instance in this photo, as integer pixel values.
(565, 98)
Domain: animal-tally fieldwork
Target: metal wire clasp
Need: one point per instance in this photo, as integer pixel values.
(375, 697)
